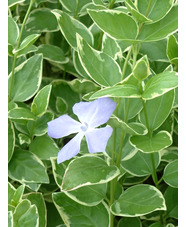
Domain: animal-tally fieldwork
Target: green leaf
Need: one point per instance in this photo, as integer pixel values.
(13, 31)
(140, 164)
(160, 84)
(172, 47)
(14, 2)
(10, 219)
(97, 172)
(73, 6)
(70, 26)
(171, 199)
(41, 100)
(120, 91)
(111, 47)
(156, 51)
(61, 105)
(78, 66)
(115, 24)
(27, 42)
(37, 199)
(27, 167)
(24, 139)
(11, 140)
(21, 113)
(90, 195)
(44, 147)
(52, 53)
(26, 215)
(11, 191)
(40, 125)
(27, 50)
(138, 200)
(161, 29)
(133, 128)
(27, 79)
(99, 66)
(157, 9)
(157, 109)
(135, 12)
(97, 216)
(17, 197)
(170, 175)
(129, 222)
(156, 143)
(41, 20)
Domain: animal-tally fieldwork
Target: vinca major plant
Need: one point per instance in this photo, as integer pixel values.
(93, 113)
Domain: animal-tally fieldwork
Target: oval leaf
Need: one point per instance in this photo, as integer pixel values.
(52, 53)
(154, 144)
(97, 172)
(170, 175)
(160, 84)
(120, 91)
(27, 167)
(21, 113)
(13, 31)
(41, 100)
(97, 216)
(27, 79)
(138, 200)
(115, 24)
(140, 164)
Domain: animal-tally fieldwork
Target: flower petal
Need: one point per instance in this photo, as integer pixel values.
(62, 126)
(95, 113)
(97, 139)
(71, 149)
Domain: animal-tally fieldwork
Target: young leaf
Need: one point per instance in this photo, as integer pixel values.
(41, 100)
(156, 143)
(17, 197)
(27, 79)
(27, 42)
(13, 31)
(160, 84)
(97, 216)
(138, 200)
(52, 53)
(99, 66)
(70, 26)
(170, 175)
(37, 199)
(41, 20)
(25, 213)
(21, 113)
(44, 147)
(158, 109)
(27, 167)
(140, 164)
(97, 172)
(115, 24)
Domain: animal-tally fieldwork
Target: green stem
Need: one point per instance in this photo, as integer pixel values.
(100, 40)
(148, 7)
(111, 4)
(77, 8)
(17, 46)
(126, 62)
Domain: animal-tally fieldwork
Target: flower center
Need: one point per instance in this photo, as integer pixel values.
(84, 127)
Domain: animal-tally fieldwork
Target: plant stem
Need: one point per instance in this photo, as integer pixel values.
(17, 46)
(100, 40)
(126, 62)
(111, 4)
(77, 8)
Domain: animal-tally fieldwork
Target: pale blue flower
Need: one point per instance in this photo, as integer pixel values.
(91, 115)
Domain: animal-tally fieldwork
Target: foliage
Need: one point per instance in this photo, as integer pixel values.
(62, 52)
